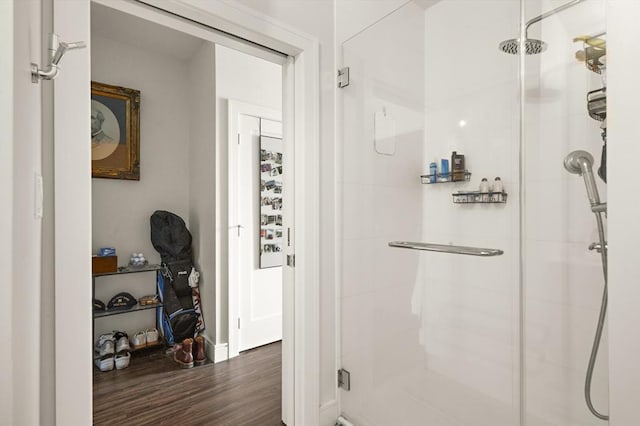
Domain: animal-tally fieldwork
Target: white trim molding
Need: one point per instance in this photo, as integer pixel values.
(219, 352)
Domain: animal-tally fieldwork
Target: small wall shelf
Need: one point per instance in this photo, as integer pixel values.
(107, 313)
(444, 178)
(477, 197)
(131, 270)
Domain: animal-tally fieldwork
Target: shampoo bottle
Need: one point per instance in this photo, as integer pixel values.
(457, 167)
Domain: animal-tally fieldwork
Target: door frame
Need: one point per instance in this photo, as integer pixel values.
(73, 200)
(235, 109)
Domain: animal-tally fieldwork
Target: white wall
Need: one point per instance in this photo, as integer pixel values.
(354, 16)
(251, 80)
(202, 177)
(6, 209)
(122, 208)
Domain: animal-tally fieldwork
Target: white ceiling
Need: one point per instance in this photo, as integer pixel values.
(128, 29)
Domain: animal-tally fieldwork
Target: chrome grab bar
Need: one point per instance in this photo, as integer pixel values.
(444, 248)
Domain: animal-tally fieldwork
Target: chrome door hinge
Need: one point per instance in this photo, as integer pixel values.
(343, 77)
(344, 379)
(238, 323)
(291, 260)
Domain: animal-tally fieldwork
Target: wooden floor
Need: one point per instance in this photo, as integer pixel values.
(245, 390)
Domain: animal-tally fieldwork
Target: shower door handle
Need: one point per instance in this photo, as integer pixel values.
(444, 248)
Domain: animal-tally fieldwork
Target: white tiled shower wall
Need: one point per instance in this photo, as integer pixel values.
(434, 337)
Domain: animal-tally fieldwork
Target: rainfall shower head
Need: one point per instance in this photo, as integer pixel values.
(581, 163)
(531, 46)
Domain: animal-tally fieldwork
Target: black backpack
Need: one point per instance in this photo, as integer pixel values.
(171, 238)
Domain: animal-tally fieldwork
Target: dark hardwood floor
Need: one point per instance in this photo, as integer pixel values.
(245, 390)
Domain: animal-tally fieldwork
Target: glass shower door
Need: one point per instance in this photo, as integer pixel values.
(563, 279)
(431, 338)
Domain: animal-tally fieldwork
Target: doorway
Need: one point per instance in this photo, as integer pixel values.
(175, 72)
(256, 236)
(301, 82)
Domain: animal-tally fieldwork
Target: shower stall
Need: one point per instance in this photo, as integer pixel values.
(463, 302)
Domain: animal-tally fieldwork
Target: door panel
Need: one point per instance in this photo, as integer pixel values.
(260, 288)
(429, 338)
(26, 226)
(72, 180)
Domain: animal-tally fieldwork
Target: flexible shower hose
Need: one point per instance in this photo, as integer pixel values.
(601, 318)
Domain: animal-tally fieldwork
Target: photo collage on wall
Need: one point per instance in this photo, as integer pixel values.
(271, 230)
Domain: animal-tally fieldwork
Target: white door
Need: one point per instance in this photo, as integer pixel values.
(72, 213)
(259, 283)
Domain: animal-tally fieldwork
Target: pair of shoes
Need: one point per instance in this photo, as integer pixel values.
(145, 338)
(190, 352)
(112, 350)
(199, 354)
(123, 356)
(183, 353)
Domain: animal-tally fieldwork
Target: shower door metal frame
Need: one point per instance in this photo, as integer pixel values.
(522, 218)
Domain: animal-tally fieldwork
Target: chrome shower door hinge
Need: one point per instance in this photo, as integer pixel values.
(343, 77)
(291, 260)
(344, 379)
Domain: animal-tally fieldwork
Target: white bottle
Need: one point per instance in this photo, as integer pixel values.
(497, 190)
(484, 190)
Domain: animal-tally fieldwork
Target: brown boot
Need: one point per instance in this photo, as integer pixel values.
(183, 355)
(199, 356)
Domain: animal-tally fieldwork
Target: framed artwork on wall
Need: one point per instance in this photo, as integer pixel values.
(115, 132)
(270, 202)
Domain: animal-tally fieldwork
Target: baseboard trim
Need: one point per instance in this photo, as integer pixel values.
(220, 352)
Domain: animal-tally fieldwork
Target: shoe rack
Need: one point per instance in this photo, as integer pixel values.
(121, 271)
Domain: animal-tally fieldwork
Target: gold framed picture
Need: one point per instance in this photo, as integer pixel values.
(115, 132)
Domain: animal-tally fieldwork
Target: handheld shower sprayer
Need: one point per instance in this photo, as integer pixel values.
(581, 163)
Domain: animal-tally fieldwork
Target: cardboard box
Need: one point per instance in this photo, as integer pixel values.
(104, 264)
